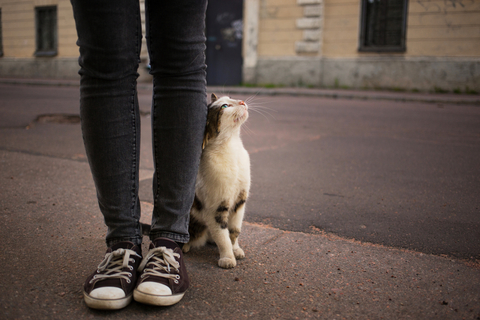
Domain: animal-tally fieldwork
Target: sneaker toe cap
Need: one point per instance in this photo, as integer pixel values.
(154, 288)
(107, 293)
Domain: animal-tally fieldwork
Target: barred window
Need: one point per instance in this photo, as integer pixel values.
(46, 31)
(383, 25)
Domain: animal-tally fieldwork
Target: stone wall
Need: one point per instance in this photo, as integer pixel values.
(422, 74)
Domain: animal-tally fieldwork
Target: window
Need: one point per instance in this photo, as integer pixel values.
(383, 25)
(46, 24)
(1, 34)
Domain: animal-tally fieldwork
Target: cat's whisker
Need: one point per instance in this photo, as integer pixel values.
(252, 97)
(260, 102)
(256, 100)
(227, 93)
(223, 91)
(264, 115)
(245, 131)
(263, 108)
(257, 95)
(263, 111)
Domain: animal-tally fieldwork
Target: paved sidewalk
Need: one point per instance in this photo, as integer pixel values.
(53, 236)
(472, 99)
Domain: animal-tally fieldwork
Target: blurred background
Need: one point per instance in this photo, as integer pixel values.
(401, 45)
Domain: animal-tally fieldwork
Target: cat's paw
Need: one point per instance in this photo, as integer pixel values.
(186, 248)
(239, 254)
(227, 263)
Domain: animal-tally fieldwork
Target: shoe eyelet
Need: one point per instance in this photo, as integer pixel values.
(128, 281)
(129, 275)
(177, 277)
(176, 281)
(98, 271)
(130, 267)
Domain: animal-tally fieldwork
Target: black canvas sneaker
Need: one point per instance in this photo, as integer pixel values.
(164, 278)
(110, 287)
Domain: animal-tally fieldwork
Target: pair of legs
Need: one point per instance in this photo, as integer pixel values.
(109, 37)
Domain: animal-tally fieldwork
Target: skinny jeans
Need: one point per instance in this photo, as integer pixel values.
(109, 38)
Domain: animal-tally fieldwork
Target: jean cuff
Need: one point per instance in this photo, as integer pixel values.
(179, 238)
(136, 240)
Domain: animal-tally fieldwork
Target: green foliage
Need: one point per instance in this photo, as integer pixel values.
(470, 91)
(439, 90)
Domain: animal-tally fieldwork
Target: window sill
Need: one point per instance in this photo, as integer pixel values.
(382, 49)
(45, 53)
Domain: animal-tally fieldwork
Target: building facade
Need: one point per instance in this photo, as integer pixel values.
(424, 45)
(432, 45)
(38, 39)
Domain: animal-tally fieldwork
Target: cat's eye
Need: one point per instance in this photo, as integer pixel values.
(225, 106)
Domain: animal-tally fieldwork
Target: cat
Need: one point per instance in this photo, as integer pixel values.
(223, 182)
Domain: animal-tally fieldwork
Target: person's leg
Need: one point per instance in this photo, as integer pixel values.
(176, 43)
(176, 40)
(109, 37)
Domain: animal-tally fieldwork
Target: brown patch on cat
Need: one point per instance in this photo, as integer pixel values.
(223, 206)
(242, 198)
(196, 228)
(234, 233)
(213, 122)
(221, 216)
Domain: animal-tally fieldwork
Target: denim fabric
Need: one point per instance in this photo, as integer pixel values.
(109, 37)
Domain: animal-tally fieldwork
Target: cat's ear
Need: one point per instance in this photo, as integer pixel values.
(214, 97)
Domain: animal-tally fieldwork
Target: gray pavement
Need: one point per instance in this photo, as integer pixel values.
(337, 226)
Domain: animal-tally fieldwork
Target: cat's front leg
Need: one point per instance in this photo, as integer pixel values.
(235, 224)
(217, 226)
(221, 237)
(237, 251)
(227, 258)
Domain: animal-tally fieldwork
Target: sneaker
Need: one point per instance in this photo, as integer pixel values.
(111, 286)
(164, 278)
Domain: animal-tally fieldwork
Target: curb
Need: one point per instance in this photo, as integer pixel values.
(293, 92)
(352, 95)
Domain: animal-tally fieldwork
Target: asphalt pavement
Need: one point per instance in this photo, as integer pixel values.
(364, 205)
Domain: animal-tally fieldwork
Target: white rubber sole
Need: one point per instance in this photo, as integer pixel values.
(106, 304)
(156, 300)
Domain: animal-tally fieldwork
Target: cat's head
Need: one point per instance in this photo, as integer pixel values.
(225, 116)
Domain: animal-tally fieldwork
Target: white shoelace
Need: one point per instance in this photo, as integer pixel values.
(113, 264)
(161, 260)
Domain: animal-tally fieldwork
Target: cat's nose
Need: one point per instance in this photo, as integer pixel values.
(242, 103)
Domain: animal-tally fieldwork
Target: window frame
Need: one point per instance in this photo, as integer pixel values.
(363, 28)
(1, 34)
(50, 52)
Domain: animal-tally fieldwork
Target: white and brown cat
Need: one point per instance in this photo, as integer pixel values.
(223, 182)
